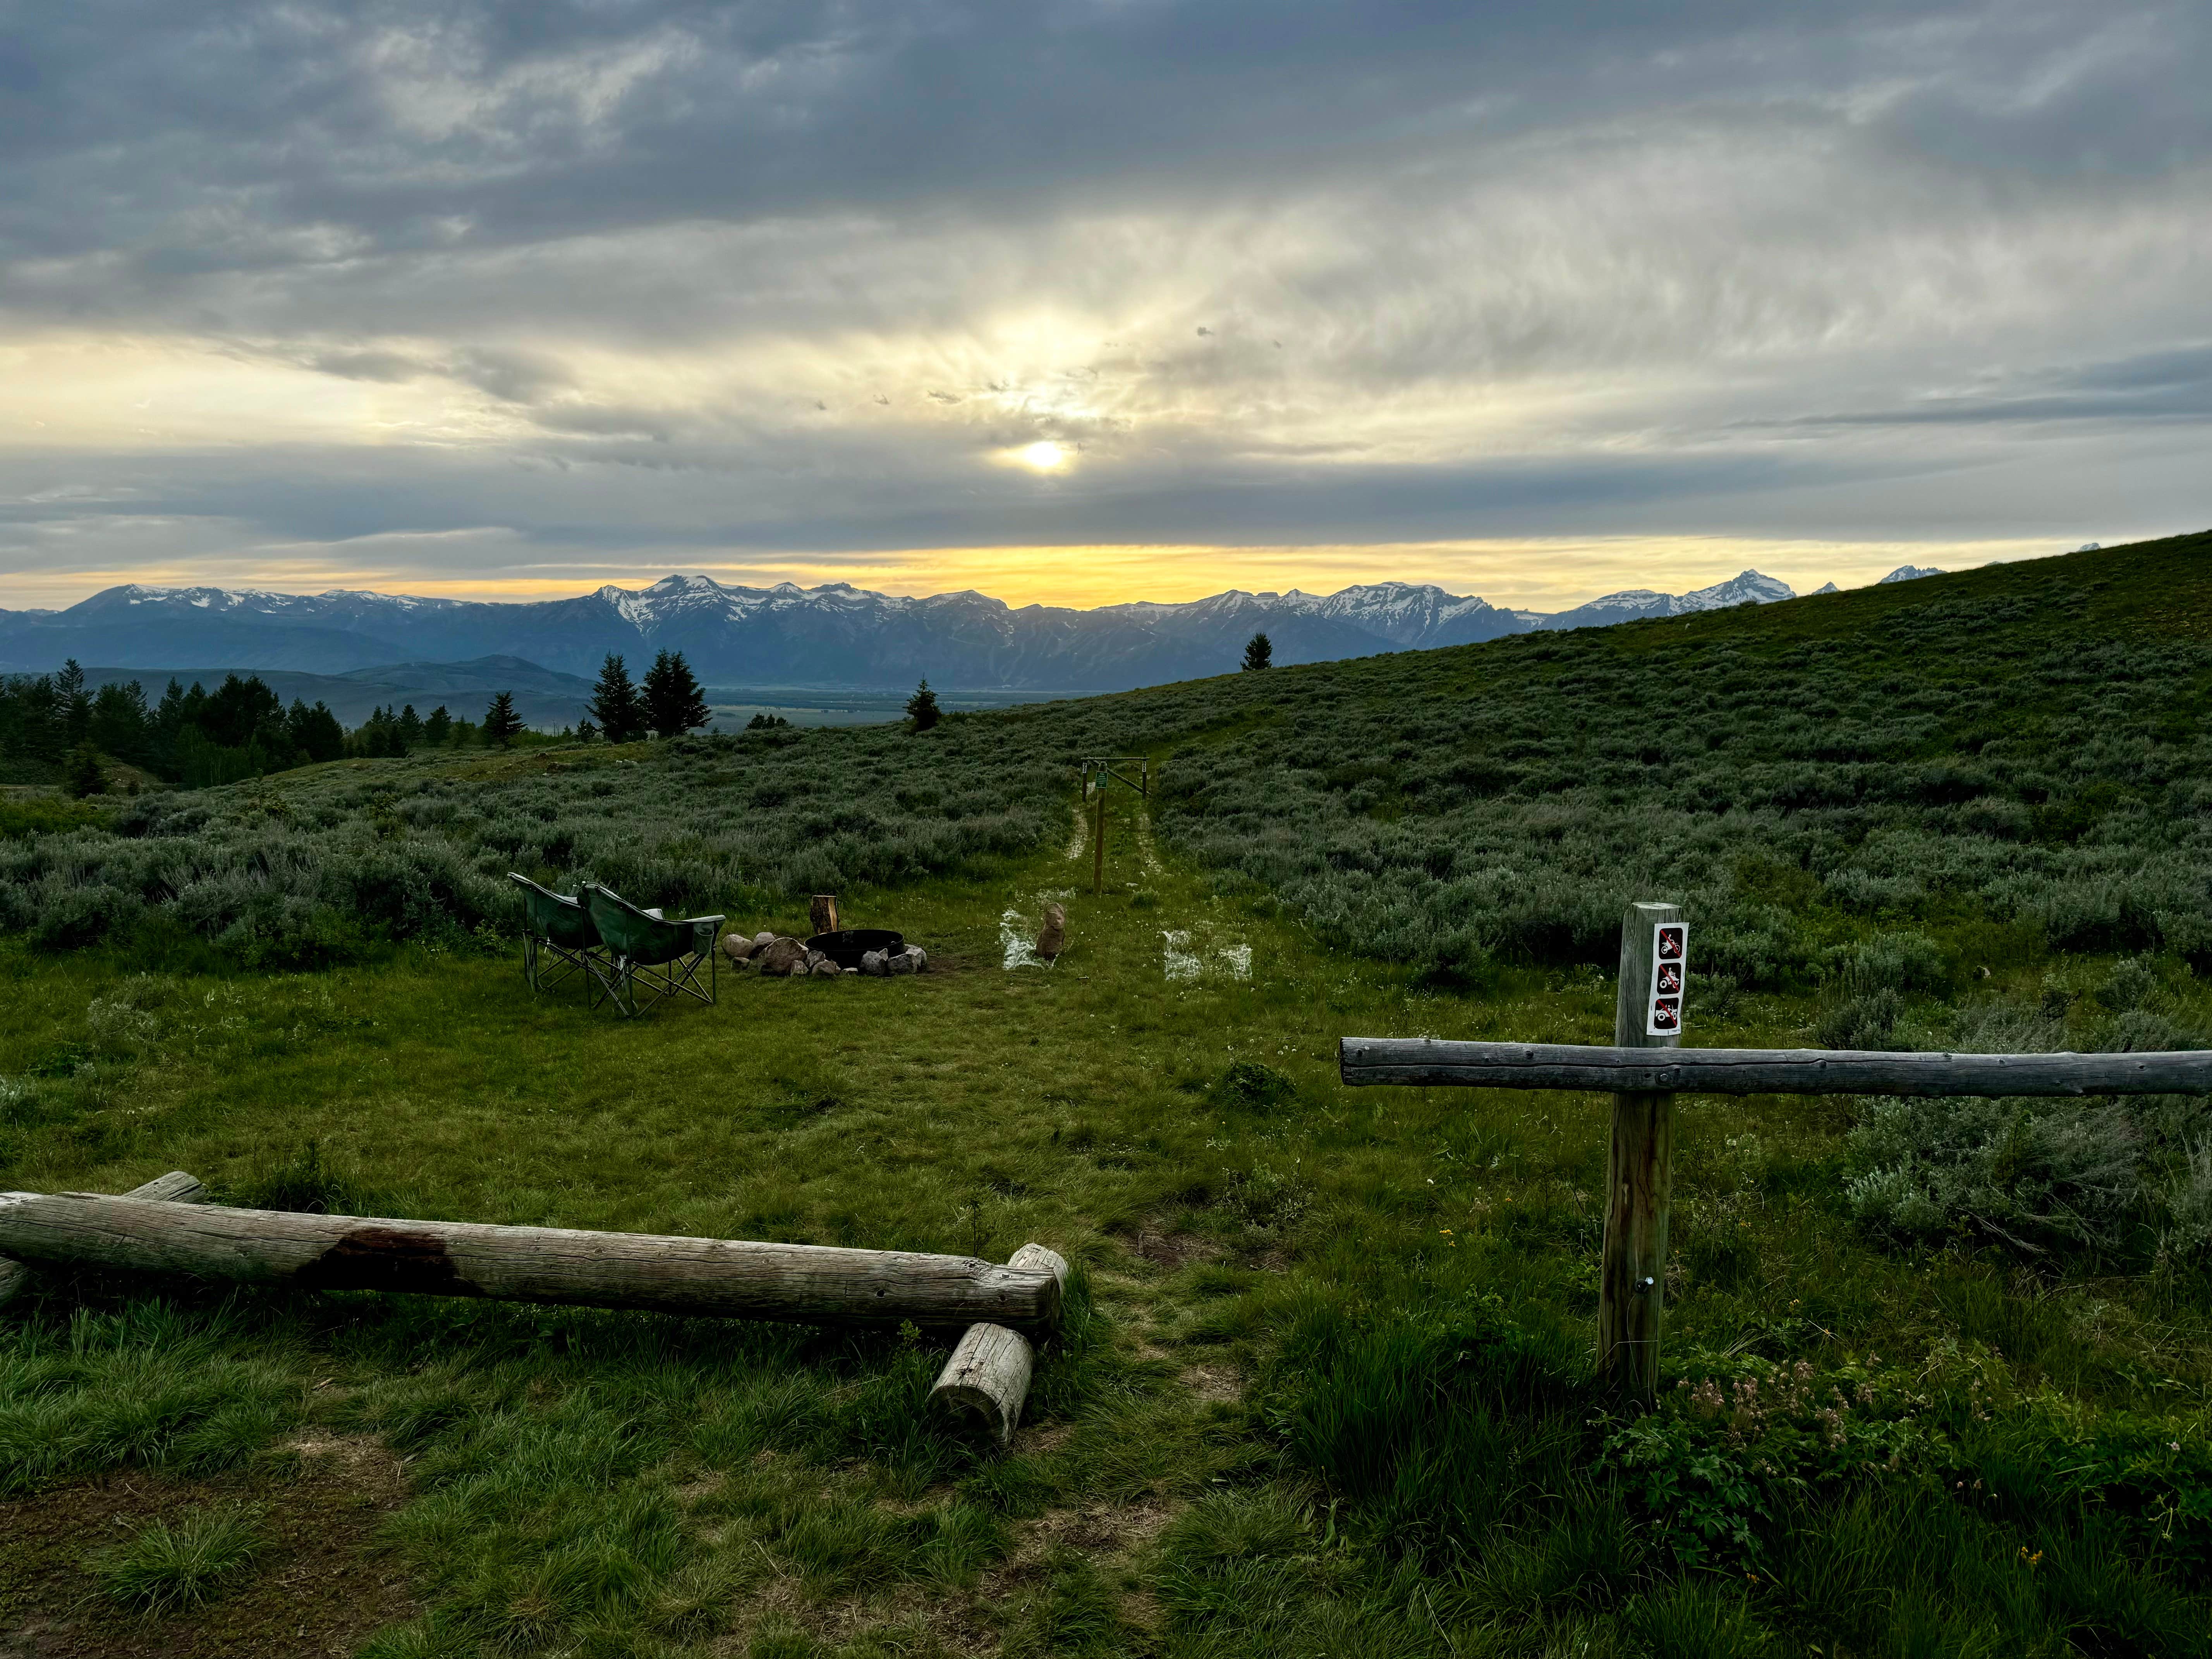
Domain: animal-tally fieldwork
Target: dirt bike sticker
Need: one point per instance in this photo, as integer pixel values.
(1670, 968)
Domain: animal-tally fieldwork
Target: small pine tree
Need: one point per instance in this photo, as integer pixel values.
(1258, 653)
(673, 702)
(501, 725)
(586, 732)
(438, 728)
(921, 709)
(83, 776)
(616, 708)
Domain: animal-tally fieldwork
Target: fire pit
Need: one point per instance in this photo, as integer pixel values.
(847, 946)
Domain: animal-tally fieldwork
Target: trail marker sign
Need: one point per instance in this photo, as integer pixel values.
(1670, 968)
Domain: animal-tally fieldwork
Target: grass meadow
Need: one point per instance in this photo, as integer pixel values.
(1935, 1383)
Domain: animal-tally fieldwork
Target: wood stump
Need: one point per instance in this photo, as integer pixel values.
(823, 913)
(989, 1371)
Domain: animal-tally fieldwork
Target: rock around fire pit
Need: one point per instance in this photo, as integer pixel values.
(827, 956)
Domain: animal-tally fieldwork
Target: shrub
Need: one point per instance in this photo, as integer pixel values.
(1249, 1084)
(2029, 1171)
(2186, 1202)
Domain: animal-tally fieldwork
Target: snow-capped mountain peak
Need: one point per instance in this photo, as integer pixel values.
(835, 634)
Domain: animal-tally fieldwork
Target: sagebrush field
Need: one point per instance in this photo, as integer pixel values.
(1936, 1373)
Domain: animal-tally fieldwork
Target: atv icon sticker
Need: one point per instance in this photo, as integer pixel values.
(1670, 972)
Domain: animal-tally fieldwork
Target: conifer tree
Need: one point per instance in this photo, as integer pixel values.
(438, 728)
(83, 775)
(501, 725)
(76, 701)
(921, 709)
(1258, 653)
(673, 702)
(616, 708)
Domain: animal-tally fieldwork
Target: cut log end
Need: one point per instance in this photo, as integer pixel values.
(174, 1188)
(989, 1370)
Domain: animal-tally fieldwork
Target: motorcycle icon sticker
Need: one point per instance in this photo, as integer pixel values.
(1670, 968)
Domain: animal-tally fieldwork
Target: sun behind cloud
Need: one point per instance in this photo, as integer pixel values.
(1044, 456)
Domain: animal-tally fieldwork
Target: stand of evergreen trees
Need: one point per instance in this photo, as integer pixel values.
(669, 703)
(56, 729)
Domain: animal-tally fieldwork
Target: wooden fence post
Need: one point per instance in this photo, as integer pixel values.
(1639, 1180)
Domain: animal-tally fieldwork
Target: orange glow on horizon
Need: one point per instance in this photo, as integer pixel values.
(1545, 574)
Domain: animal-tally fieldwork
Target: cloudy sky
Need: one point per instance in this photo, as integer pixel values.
(1088, 301)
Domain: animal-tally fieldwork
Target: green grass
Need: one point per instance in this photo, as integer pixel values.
(167, 1567)
(1325, 1387)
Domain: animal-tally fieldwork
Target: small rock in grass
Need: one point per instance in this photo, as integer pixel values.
(920, 958)
(736, 946)
(874, 961)
(826, 969)
(1053, 939)
(761, 941)
(903, 963)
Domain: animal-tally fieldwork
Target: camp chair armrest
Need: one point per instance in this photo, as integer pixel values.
(703, 929)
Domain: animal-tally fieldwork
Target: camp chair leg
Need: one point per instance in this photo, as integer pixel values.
(530, 960)
(610, 977)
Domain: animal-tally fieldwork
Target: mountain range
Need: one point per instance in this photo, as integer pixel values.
(834, 635)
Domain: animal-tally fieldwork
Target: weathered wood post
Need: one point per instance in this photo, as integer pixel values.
(823, 912)
(1640, 1171)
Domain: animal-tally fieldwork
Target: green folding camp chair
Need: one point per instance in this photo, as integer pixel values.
(558, 935)
(644, 948)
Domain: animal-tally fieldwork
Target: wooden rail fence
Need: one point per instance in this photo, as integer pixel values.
(1643, 1070)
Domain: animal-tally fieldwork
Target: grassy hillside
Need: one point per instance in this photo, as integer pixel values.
(1938, 1375)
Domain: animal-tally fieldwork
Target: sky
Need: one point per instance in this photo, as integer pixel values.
(1086, 303)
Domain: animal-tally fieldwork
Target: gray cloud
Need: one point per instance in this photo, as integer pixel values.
(677, 274)
(2163, 386)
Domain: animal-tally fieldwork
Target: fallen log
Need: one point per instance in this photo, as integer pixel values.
(989, 1371)
(174, 1188)
(805, 1283)
(1421, 1060)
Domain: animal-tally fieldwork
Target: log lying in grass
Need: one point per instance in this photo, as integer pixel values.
(174, 1188)
(1766, 1071)
(809, 1283)
(989, 1372)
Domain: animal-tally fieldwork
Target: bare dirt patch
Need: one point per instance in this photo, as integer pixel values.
(319, 1586)
(1213, 1383)
(1173, 1250)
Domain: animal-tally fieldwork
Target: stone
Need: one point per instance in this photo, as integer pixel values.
(920, 958)
(736, 946)
(782, 956)
(874, 961)
(1053, 939)
(814, 959)
(761, 941)
(903, 963)
(826, 969)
